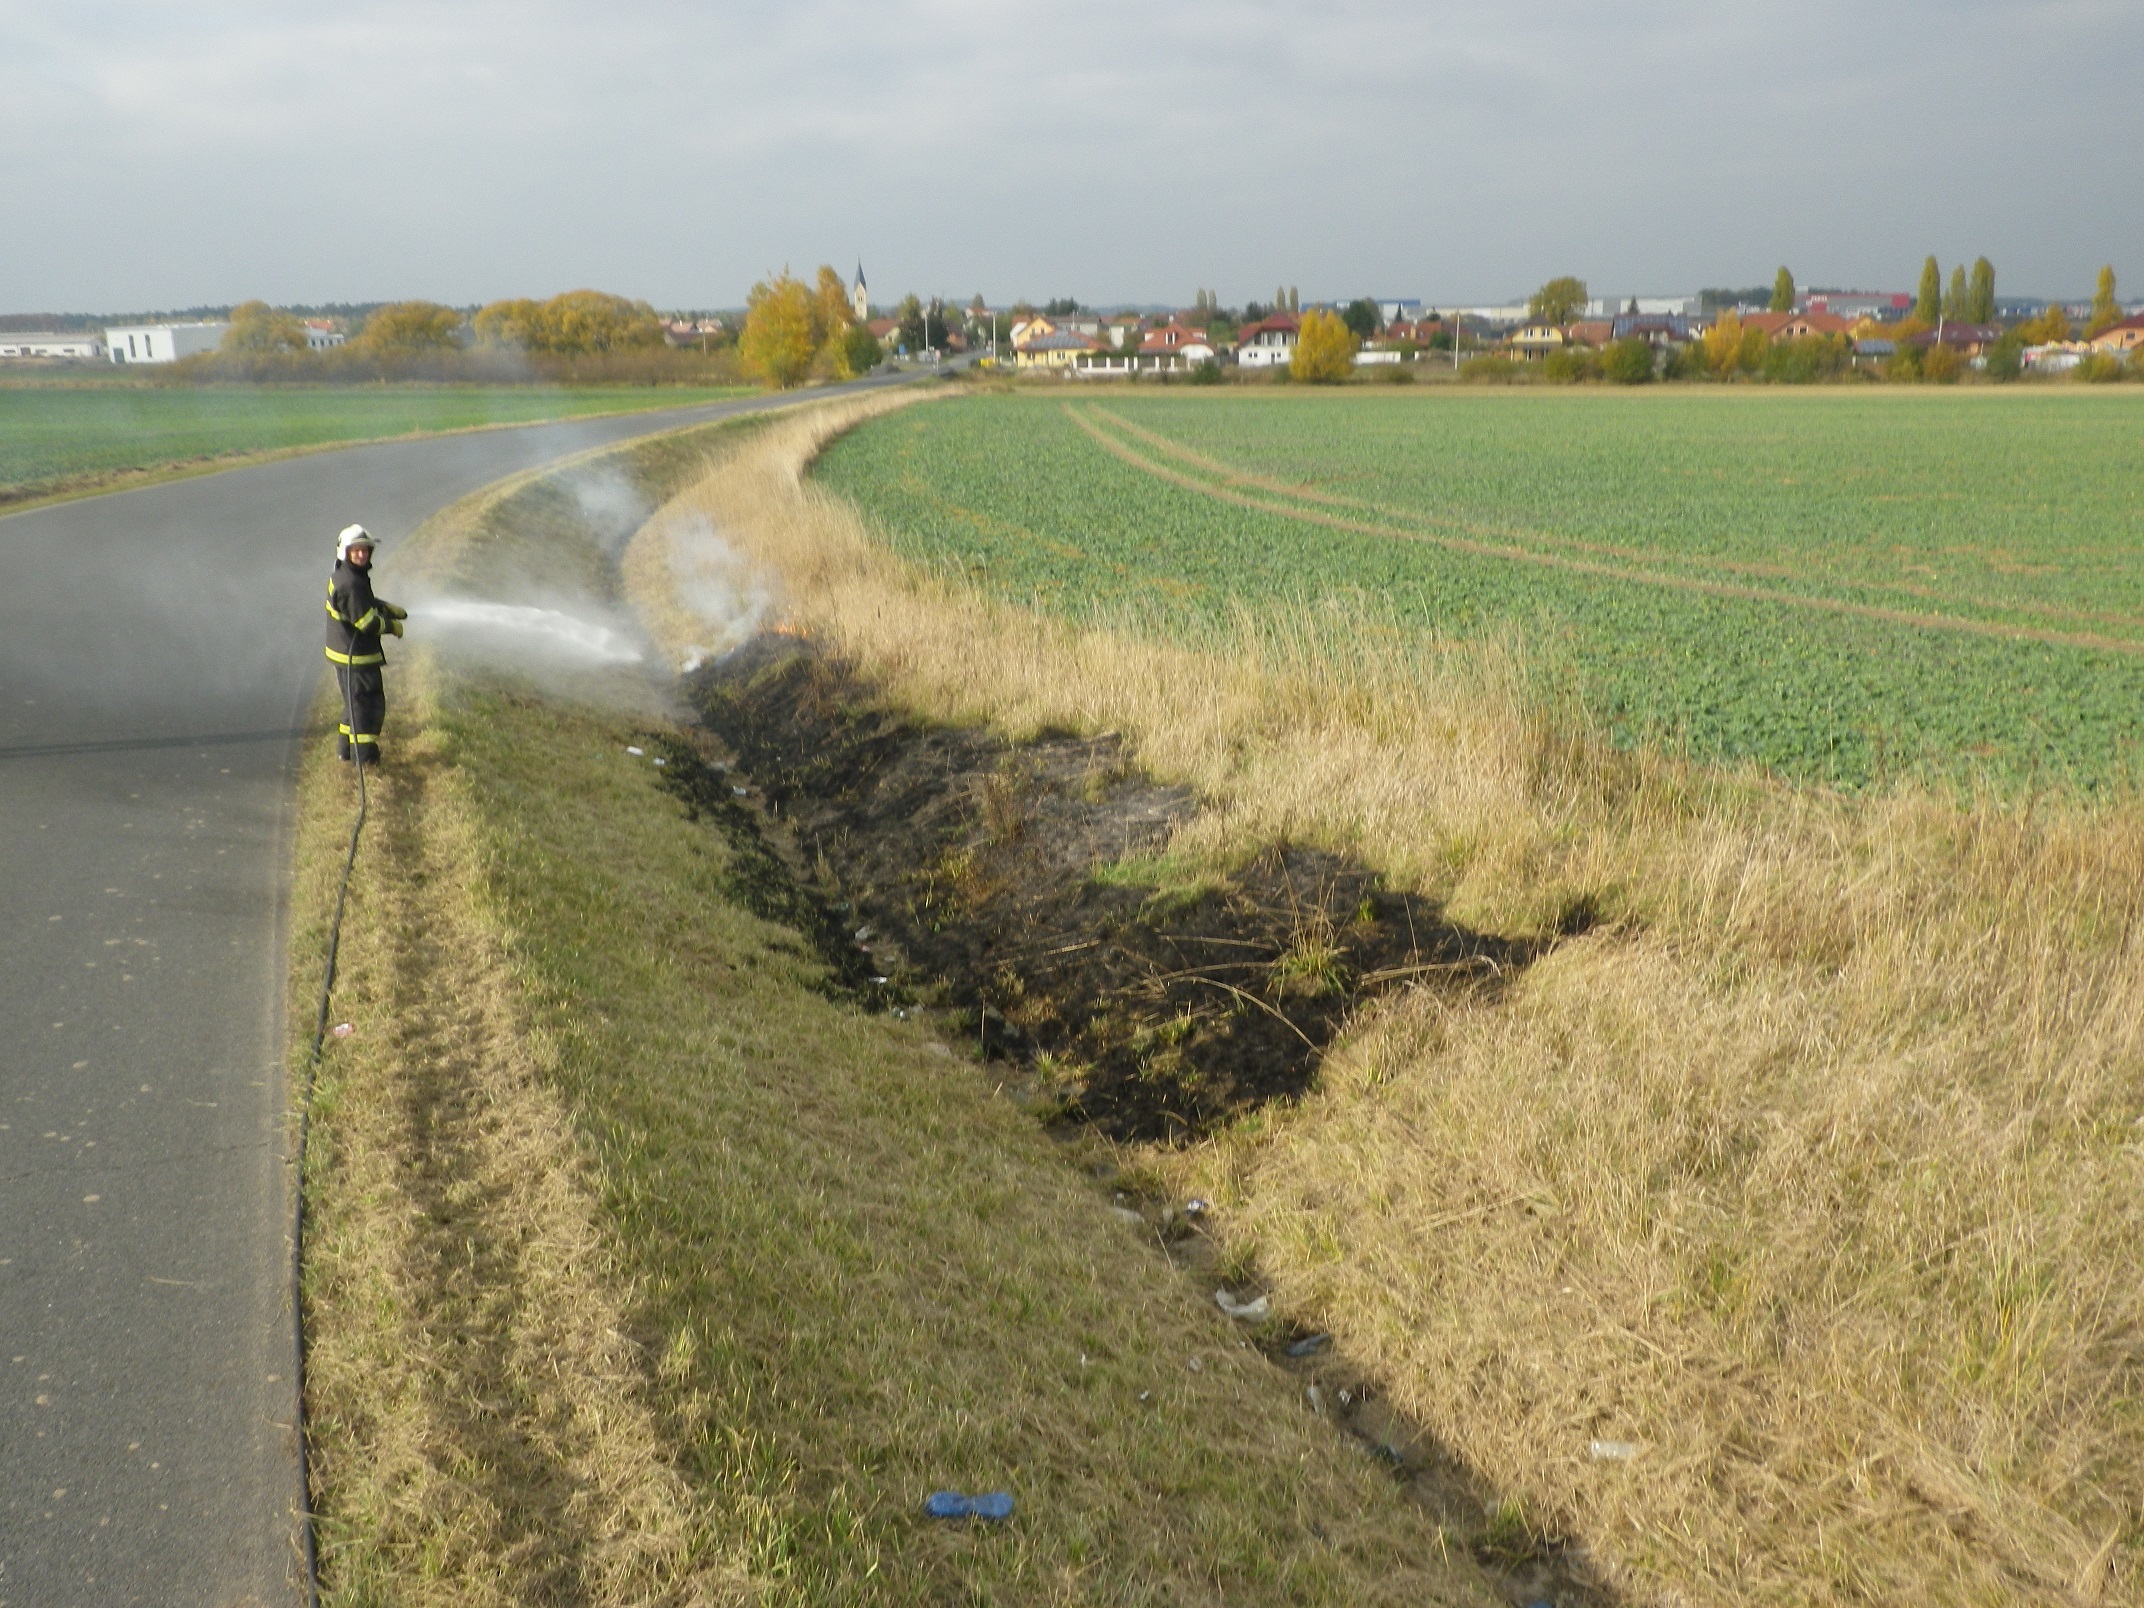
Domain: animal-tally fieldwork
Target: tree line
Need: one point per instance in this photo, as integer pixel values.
(585, 335)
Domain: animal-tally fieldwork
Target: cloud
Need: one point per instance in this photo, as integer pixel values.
(364, 148)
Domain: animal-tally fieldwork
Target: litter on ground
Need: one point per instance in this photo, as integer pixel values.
(1310, 1345)
(993, 1505)
(630, 749)
(344, 1029)
(1249, 1311)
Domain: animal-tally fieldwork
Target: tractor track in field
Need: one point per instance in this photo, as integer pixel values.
(1483, 546)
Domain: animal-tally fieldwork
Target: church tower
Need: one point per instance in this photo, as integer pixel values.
(859, 297)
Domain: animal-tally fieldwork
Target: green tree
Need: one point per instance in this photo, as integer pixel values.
(1783, 291)
(777, 344)
(2105, 309)
(1954, 298)
(1627, 362)
(412, 326)
(1360, 316)
(1928, 304)
(860, 349)
(2006, 358)
(257, 327)
(1980, 293)
(909, 315)
(2053, 325)
(1557, 302)
(1324, 349)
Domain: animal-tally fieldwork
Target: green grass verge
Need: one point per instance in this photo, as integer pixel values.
(58, 441)
(644, 1271)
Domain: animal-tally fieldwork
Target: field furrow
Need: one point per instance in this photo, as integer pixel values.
(1844, 588)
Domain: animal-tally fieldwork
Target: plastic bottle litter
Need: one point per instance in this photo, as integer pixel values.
(1607, 1451)
(1192, 1208)
(630, 749)
(994, 1505)
(1310, 1345)
(1249, 1311)
(344, 1029)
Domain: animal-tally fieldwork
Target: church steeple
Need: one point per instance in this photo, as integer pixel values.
(860, 296)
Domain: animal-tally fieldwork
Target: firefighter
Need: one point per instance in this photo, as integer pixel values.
(355, 620)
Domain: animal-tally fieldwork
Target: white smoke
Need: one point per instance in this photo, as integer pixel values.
(612, 506)
(729, 599)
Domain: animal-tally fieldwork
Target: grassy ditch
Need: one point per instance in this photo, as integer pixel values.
(1771, 1237)
(650, 1265)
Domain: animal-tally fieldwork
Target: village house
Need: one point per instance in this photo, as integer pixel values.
(321, 334)
(2127, 336)
(1971, 339)
(1657, 330)
(1269, 342)
(1174, 340)
(1801, 326)
(1039, 344)
(1538, 340)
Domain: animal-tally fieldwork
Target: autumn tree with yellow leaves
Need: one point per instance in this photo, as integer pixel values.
(412, 326)
(257, 327)
(1324, 349)
(577, 323)
(793, 330)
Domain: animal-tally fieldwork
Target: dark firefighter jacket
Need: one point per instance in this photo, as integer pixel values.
(356, 617)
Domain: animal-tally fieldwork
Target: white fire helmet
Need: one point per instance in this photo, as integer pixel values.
(353, 536)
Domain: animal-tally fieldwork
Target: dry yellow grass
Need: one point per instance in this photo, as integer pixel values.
(476, 1408)
(1815, 1172)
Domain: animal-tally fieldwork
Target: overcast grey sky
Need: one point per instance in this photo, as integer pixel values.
(158, 155)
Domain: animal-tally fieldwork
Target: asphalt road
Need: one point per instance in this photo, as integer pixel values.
(157, 648)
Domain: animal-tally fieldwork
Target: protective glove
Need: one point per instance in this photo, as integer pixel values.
(392, 625)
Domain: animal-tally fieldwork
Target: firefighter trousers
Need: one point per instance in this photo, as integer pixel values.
(364, 711)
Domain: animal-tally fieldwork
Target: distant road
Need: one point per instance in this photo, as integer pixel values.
(158, 649)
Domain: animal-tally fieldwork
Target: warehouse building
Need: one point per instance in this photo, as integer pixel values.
(161, 343)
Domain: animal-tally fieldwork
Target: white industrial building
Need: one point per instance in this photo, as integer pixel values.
(50, 346)
(161, 343)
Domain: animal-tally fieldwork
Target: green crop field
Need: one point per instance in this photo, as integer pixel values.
(55, 436)
(1845, 586)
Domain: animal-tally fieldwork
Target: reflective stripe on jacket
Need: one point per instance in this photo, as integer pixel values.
(355, 616)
